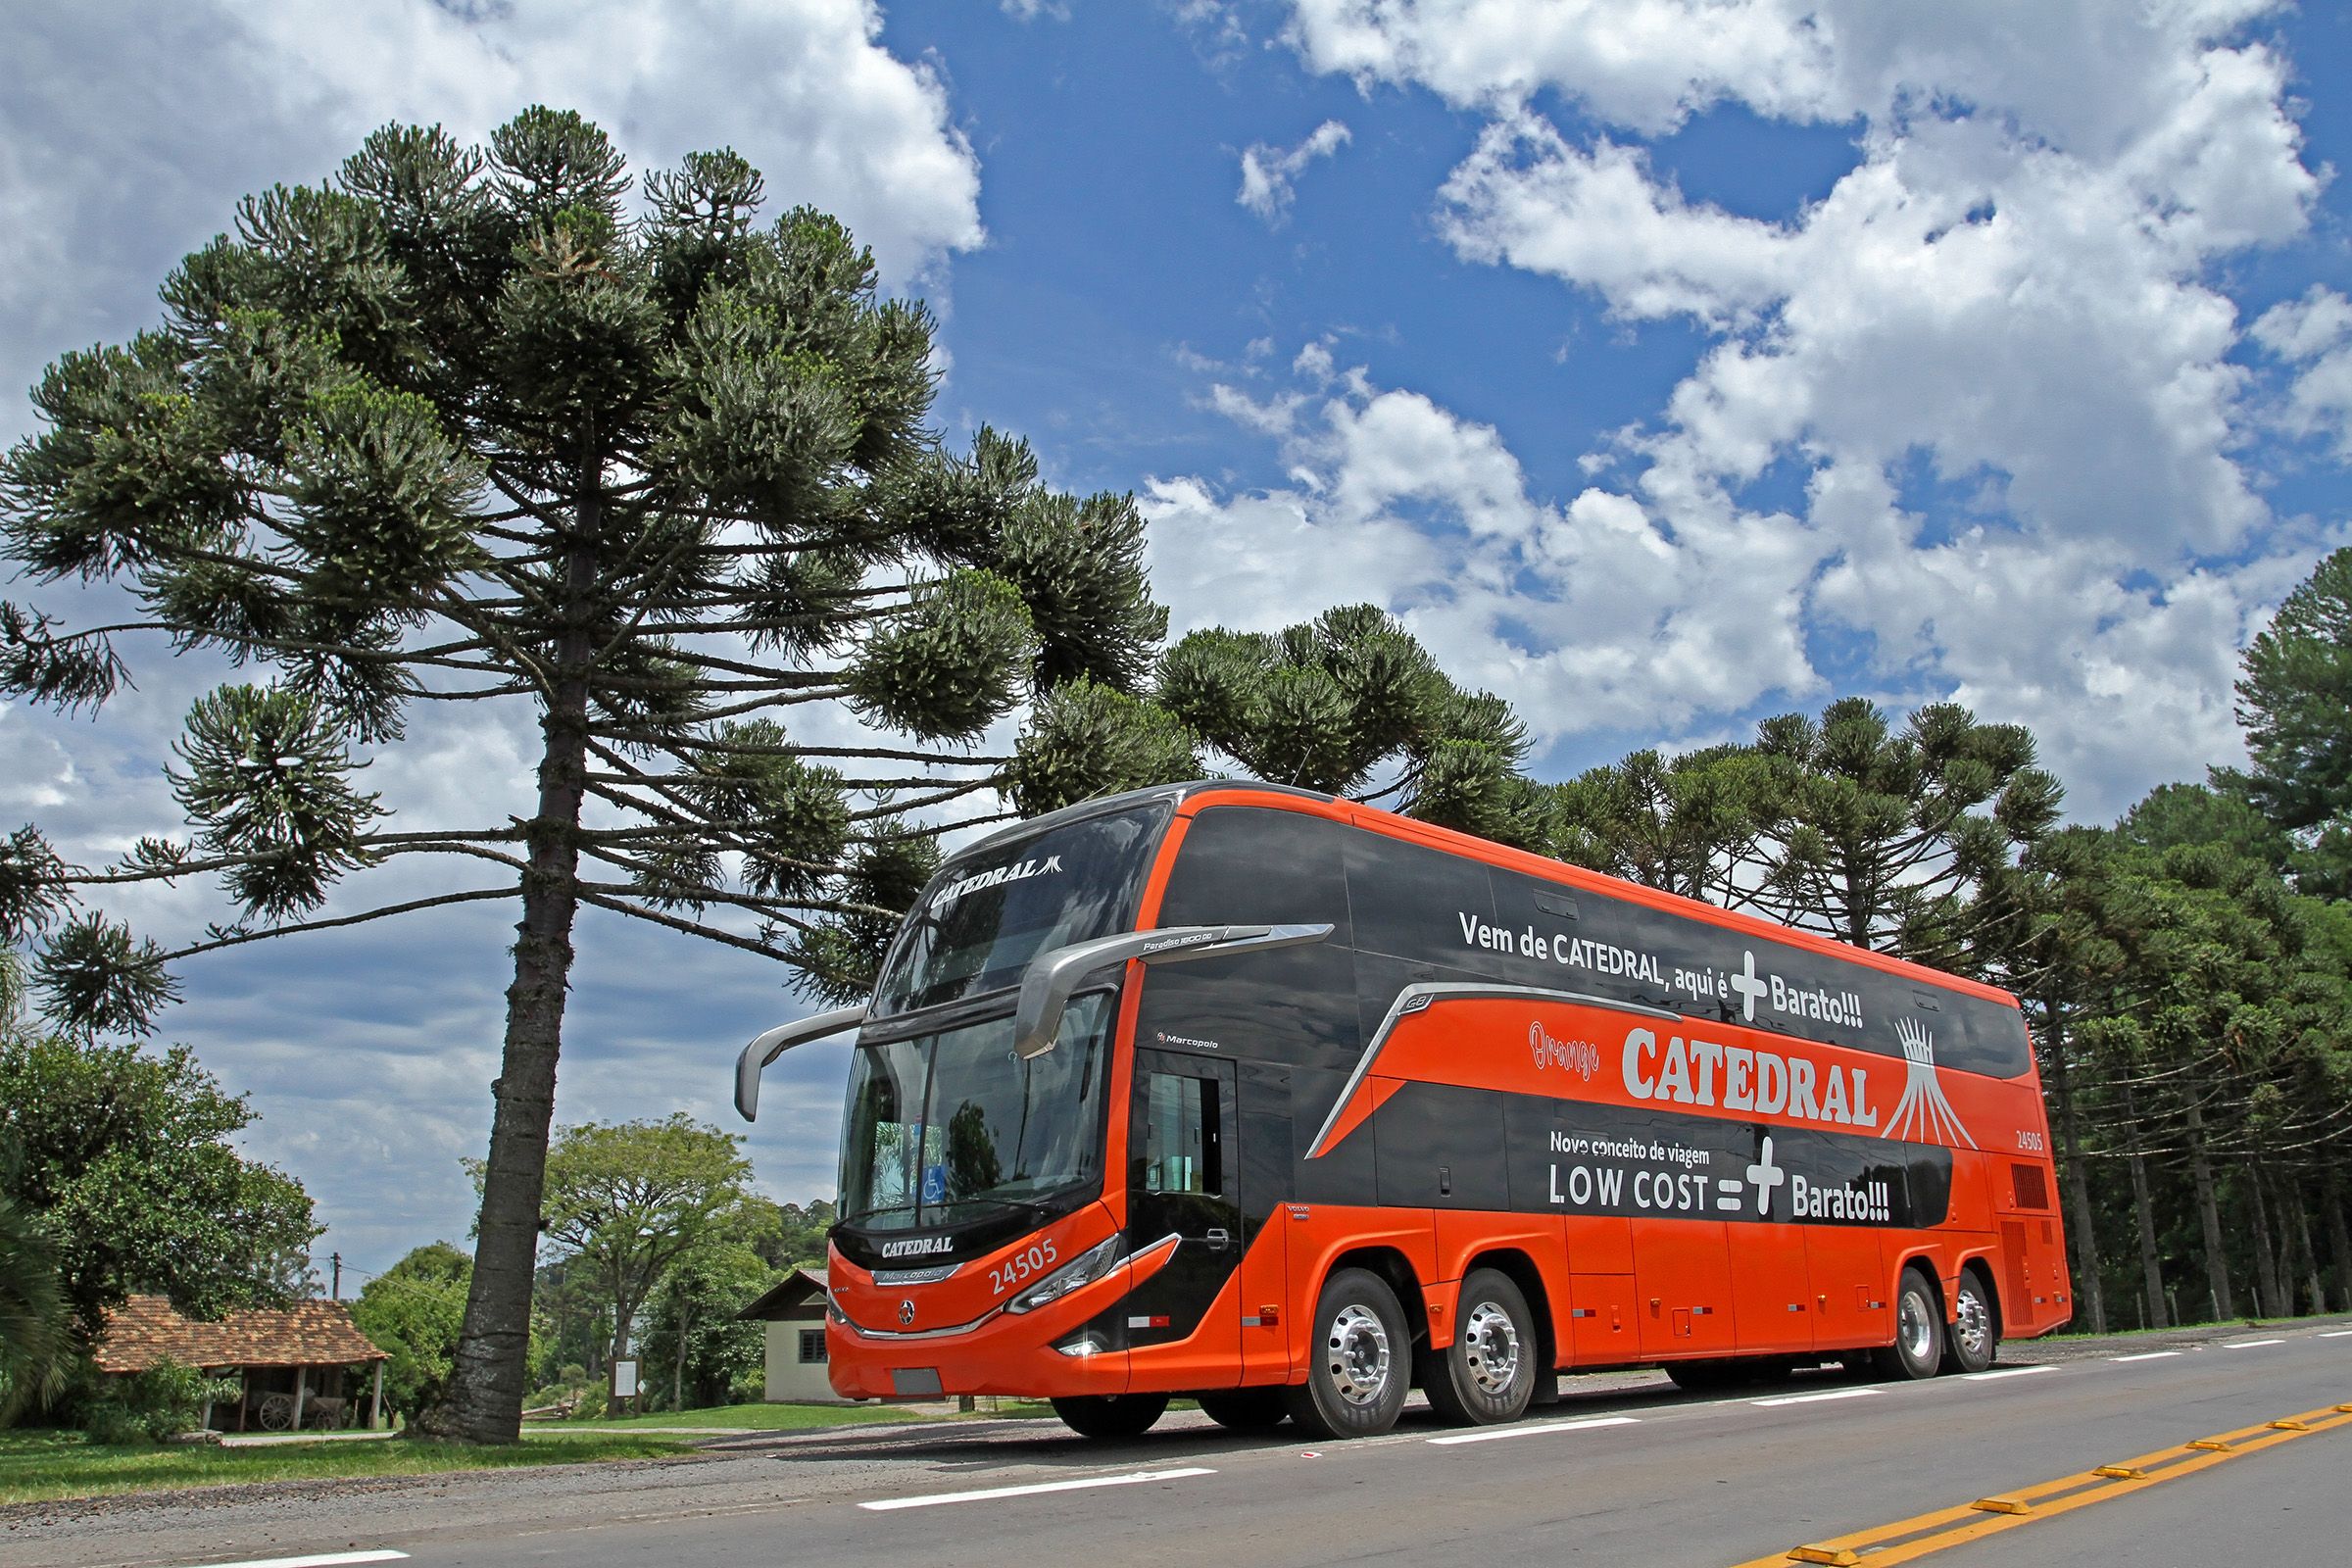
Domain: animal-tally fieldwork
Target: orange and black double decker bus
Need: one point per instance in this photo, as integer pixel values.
(1290, 1105)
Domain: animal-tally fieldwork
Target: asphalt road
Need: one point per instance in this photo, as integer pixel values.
(1626, 1472)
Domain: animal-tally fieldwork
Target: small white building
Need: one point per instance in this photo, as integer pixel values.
(793, 1310)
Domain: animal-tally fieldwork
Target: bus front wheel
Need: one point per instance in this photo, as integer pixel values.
(1360, 1363)
(1111, 1415)
(1918, 1347)
(1488, 1372)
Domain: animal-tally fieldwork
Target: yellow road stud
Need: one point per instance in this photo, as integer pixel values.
(2120, 1472)
(2214, 1446)
(1835, 1556)
(2291, 1426)
(2001, 1505)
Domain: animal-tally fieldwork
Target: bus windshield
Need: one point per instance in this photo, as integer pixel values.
(946, 1128)
(986, 915)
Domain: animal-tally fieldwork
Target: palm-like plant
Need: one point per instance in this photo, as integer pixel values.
(35, 1323)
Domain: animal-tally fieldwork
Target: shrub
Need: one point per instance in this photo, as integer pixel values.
(151, 1405)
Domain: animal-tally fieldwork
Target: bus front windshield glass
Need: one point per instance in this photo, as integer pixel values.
(950, 1127)
(985, 917)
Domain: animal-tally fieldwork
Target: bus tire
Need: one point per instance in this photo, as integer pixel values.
(1360, 1364)
(1973, 1340)
(1488, 1373)
(1918, 1347)
(1110, 1415)
(1246, 1409)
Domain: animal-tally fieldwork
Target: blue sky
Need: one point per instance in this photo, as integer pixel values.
(1665, 363)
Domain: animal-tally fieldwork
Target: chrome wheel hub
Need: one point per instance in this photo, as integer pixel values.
(1915, 1327)
(1491, 1348)
(1975, 1326)
(1355, 1354)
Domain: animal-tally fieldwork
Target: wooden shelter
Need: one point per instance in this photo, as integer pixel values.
(295, 1367)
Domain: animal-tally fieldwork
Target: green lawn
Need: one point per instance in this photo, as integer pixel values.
(795, 1417)
(39, 1466)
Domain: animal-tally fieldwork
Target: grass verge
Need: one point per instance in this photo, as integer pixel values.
(46, 1466)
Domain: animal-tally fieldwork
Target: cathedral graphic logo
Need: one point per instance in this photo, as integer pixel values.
(1923, 1115)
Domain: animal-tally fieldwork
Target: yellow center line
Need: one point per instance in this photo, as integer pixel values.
(1884, 1545)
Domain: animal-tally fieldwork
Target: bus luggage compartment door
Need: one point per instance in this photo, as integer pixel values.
(1184, 1180)
(1683, 1274)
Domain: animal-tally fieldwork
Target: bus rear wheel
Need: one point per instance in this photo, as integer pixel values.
(1488, 1373)
(1110, 1415)
(1973, 1341)
(1918, 1347)
(1246, 1409)
(1360, 1364)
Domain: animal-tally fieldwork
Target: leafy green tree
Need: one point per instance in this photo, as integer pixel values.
(1349, 702)
(414, 1312)
(2294, 702)
(127, 1160)
(35, 1318)
(1695, 824)
(691, 1332)
(799, 1234)
(2172, 815)
(628, 1199)
(1885, 837)
(467, 429)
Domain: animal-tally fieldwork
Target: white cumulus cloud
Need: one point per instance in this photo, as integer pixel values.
(1268, 172)
(1998, 351)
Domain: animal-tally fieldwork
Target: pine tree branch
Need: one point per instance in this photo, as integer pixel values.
(241, 937)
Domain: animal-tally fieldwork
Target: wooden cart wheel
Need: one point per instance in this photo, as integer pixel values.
(277, 1412)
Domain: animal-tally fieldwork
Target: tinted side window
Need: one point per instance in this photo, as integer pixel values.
(1248, 865)
(1245, 865)
(1412, 901)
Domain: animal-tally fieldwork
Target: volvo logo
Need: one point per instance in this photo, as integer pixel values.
(906, 1312)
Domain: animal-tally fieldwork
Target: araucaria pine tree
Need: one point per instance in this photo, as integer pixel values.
(480, 428)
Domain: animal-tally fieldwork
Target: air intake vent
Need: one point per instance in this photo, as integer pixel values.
(2031, 1184)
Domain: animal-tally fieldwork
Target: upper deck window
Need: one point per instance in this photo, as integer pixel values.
(986, 915)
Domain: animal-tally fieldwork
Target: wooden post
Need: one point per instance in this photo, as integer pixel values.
(375, 1400)
(302, 1389)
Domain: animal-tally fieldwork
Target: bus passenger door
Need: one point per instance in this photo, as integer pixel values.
(1184, 1180)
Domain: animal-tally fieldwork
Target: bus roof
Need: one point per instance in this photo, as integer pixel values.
(1188, 796)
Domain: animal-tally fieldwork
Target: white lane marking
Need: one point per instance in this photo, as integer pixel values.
(2338, 1334)
(2004, 1372)
(327, 1559)
(2248, 1344)
(1137, 1478)
(2144, 1355)
(1545, 1426)
(1812, 1399)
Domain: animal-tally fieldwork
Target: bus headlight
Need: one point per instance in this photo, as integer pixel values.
(1084, 1269)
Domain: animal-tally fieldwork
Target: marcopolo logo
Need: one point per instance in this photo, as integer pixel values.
(1578, 1056)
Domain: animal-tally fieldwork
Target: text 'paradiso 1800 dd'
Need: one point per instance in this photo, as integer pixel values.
(1290, 1105)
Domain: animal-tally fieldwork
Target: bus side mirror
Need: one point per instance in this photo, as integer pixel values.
(1047, 985)
(777, 1040)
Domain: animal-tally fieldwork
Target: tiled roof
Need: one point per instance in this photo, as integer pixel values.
(145, 1330)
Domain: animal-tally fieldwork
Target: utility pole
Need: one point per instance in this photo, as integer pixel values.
(336, 1290)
